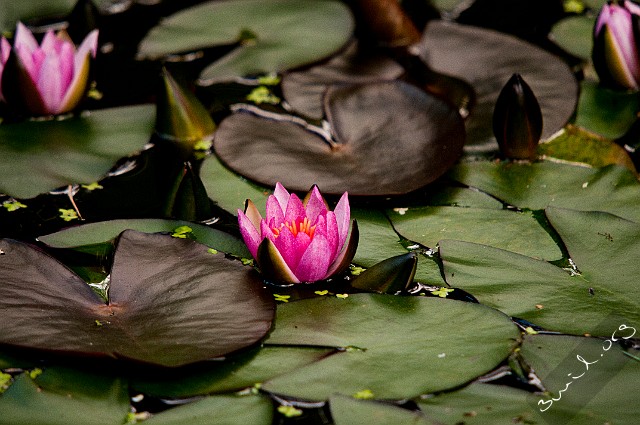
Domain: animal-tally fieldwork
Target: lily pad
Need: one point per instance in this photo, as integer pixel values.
(62, 396)
(304, 89)
(227, 410)
(487, 59)
(162, 290)
(607, 112)
(577, 145)
(612, 189)
(575, 35)
(233, 374)
(420, 132)
(514, 231)
(39, 156)
(384, 337)
(271, 36)
(603, 393)
(600, 244)
(98, 236)
(351, 411)
(12, 12)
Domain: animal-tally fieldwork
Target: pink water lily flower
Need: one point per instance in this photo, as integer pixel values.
(615, 53)
(46, 79)
(299, 241)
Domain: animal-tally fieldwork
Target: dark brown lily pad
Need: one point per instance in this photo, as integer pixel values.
(375, 149)
(171, 303)
(487, 59)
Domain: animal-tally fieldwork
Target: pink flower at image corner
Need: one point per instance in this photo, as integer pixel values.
(46, 79)
(299, 241)
(616, 34)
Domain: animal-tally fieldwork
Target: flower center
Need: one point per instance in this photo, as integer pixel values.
(298, 226)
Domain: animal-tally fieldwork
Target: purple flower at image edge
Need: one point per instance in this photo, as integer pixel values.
(49, 78)
(299, 241)
(615, 51)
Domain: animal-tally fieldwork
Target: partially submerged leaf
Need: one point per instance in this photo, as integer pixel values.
(171, 303)
(420, 133)
(390, 276)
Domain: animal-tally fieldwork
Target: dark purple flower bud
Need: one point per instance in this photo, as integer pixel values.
(517, 120)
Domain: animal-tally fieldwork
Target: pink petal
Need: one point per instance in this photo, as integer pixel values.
(315, 205)
(24, 39)
(5, 50)
(249, 233)
(343, 216)
(274, 211)
(603, 18)
(273, 265)
(295, 209)
(88, 45)
(292, 247)
(265, 230)
(66, 65)
(314, 263)
(333, 237)
(342, 256)
(282, 196)
(632, 7)
(50, 84)
(50, 43)
(78, 85)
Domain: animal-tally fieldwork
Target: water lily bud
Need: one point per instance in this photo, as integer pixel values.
(188, 198)
(299, 241)
(517, 120)
(615, 45)
(180, 116)
(50, 78)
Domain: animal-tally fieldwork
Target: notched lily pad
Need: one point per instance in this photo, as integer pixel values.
(487, 59)
(271, 36)
(171, 303)
(377, 150)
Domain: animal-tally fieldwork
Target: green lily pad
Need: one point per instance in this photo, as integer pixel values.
(12, 12)
(233, 374)
(39, 156)
(227, 410)
(162, 289)
(384, 337)
(62, 396)
(351, 411)
(98, 237)
(513, 231)
(600, 244)
(577, 145)
(603, 393)
(607, 112)
(230, 190)
(487, 59)
(271, 36)
(535, 186)
(421, 132)
(575, 35)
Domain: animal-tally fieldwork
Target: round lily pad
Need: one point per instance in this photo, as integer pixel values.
(376, 150)
(394, 347)
(39, 156)
(271, 36)
(171, 303)
(487, 59)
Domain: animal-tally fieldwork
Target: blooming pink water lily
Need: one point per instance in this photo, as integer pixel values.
(299, 241)
(616, 42)
(46, 79)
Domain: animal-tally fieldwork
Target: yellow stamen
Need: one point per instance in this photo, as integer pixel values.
(296, 227)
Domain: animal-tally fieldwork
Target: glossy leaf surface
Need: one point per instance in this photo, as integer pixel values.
(420, 132)
(385, 337)
(162, 290)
